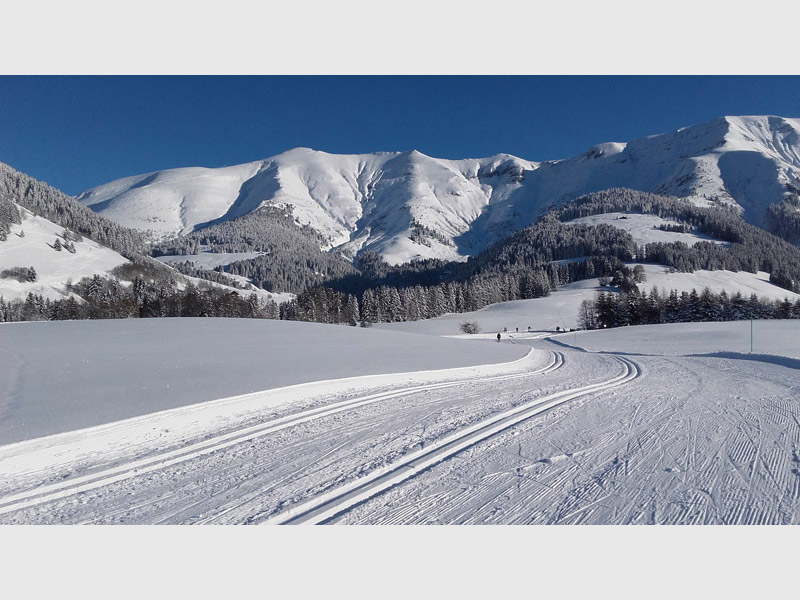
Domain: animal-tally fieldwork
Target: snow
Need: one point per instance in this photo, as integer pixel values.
(171, 201)
(668, 424)
(210, 260)
(776, 338)
(53, 268)
(94, 372)
(246, 290)
(693, 439)
(742, 281)
(355, 201)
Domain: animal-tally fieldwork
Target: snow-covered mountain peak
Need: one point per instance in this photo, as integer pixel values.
(408, 205)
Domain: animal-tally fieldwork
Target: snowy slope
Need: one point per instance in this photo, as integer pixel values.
(354, 201)
(53, 268)
(375, 200)
(748, 162)
(169, 201)
(644, 229)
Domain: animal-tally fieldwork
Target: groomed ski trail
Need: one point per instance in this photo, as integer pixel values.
(328, 505)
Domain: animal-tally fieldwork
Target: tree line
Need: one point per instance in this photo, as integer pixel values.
(610, 309)
(109, 298)
(528, 264)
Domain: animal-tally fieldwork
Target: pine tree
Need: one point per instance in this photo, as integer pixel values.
(351, 314)
(587, 319)
(369, 307)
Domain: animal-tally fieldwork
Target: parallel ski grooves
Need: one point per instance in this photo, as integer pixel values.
(125, 471)
(338, 501)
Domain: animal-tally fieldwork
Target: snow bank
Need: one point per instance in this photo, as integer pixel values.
(60, 376)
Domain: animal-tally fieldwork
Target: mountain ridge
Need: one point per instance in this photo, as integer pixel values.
(409, 206)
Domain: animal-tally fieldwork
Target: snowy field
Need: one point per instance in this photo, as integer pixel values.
(560, 308)
(668, 424)
(644, 228)
(776, 338)
(690, 440)
(66, 375)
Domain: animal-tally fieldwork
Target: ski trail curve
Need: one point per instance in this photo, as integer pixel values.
(329, 505)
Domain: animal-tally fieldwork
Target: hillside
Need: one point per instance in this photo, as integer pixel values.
(52, 204)
(31, 243)
(51, 247)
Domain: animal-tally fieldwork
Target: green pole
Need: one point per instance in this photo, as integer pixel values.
(751, 335)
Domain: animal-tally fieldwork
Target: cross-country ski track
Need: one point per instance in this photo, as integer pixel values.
(72, 486)
(321, 509)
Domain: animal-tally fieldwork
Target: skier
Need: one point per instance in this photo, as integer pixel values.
(498, 337)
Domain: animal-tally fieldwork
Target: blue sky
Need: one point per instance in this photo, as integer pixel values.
(77, 132)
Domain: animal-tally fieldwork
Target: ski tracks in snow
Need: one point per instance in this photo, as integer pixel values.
(679, 446)
(326, 506)
(140, 467)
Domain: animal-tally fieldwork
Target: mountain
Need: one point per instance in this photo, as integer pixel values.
(747, 162)
(377, 201)
(408, 206)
